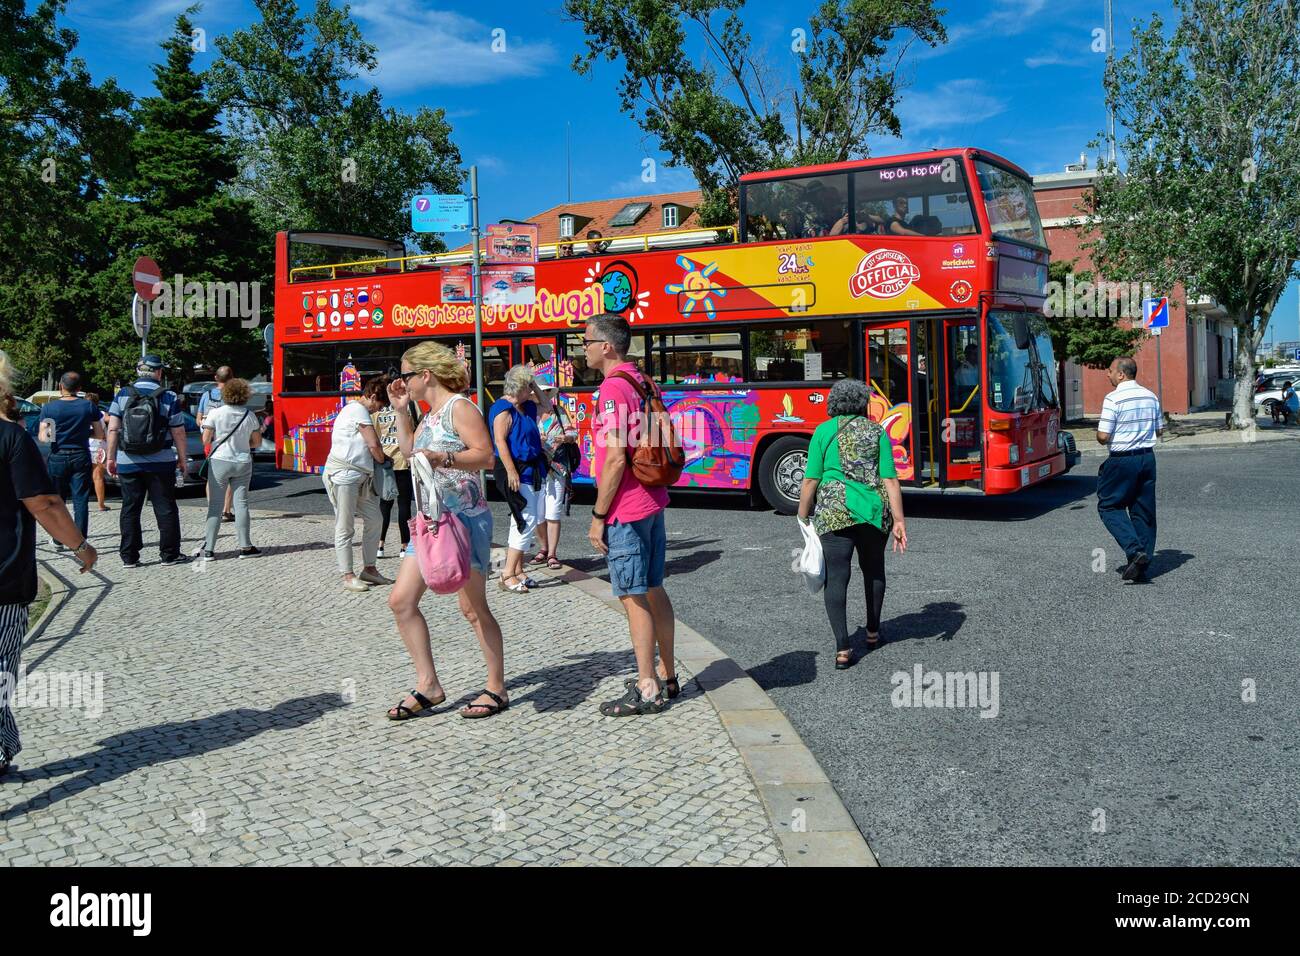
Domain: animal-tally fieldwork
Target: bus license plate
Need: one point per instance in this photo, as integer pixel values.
(1044, 471)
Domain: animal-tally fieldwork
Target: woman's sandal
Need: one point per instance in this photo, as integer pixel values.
(843, 660)
(554, 564)
(519, 587)
(406, 713)
(492, 709)
(633, 704)
(539, 558)
(873, 642)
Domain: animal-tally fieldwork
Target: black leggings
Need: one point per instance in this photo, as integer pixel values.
(405, 491)
(838, 546)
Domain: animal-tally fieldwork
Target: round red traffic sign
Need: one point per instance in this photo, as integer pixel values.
(145, 276)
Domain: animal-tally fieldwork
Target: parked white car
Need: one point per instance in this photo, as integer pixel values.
(1270, 389)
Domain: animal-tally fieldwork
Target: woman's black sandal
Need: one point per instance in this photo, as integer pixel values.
(406, 713)
(873, 642)
(492, 709)
(843, 663)
(632, 703)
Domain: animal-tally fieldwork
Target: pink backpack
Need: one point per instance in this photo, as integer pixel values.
(440, 539)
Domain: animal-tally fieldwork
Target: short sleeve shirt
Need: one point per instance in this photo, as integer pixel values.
(239, 423)
(72, 420)
(347, 443)
(1130, 415)
(169, 406)
(210, 400)
(22, 475)
(850, 464)
(618, 413)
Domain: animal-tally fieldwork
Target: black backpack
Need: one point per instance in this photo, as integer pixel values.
(143, 429)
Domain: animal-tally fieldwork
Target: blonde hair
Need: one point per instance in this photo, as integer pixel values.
(8, 405)
(450, 371)
(235, 391)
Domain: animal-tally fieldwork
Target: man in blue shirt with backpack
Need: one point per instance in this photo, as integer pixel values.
(146, 447)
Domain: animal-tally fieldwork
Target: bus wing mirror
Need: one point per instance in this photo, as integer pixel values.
(1020, 326)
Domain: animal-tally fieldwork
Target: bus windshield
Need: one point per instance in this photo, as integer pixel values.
(1020, 380)
(1009, 202)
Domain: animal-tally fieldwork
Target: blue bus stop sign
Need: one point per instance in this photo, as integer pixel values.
(1155, 314)
(439, 213)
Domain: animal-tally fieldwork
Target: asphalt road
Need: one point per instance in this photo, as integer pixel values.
(1121, 736)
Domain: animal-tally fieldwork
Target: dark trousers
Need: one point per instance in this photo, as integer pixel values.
(70, 470)
(838, 547)
(405, 491)
(1126, 502)
(161, 491)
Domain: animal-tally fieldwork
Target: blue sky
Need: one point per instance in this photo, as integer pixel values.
(1018, 77)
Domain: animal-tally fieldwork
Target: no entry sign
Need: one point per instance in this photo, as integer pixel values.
(146, 276)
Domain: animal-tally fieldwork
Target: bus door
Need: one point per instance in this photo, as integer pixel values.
(890, 372)
(927, 397)
(496, 362)
(962, 428)
(537, 350)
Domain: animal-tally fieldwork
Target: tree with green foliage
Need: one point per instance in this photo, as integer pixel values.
(62, 136)
(730, 112)
(176, 206)
(1210, 190)
(314, 152)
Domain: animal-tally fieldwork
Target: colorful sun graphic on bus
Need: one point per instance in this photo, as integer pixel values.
(698, 288)
(619, 282)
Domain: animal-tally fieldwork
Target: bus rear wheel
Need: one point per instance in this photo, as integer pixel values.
(781, 473)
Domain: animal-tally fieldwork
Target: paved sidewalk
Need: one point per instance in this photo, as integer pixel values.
(1193, 430)
(243, 723)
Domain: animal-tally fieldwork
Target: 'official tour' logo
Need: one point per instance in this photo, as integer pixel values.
(883, 274)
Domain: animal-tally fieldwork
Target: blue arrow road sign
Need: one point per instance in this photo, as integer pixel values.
(1155, 313)
(439, 214)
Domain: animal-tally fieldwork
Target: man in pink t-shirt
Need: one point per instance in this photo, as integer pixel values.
(627, 522)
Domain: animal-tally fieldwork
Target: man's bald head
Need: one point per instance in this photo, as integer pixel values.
(224, 374)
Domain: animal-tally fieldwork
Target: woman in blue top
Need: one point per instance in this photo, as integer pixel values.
(520, 467)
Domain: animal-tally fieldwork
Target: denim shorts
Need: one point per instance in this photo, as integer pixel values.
(480, 541)
(636, 554)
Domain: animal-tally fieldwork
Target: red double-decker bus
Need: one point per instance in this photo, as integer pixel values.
(923, 274)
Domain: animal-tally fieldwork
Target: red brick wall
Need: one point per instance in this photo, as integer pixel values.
(1176, 347)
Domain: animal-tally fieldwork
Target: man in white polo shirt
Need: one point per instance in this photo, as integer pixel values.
(1131, 420)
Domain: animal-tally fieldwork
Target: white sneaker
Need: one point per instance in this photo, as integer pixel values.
(381, 551)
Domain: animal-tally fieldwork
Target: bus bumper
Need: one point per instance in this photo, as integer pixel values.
(1004, 480)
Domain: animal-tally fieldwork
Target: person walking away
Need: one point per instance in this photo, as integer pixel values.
(1131, 421)
(146, 448)
(627, 521)
(386, 428)
(27, 497)
(454, 438)
(349, 482)
(97, 446)
(560, 444)
(518, 469)
(209, 402)
(68, 423)
(850, 491)
(231, 431)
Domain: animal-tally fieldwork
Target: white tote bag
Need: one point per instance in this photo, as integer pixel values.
(811, 563)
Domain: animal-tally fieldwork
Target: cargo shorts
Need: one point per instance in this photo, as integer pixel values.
(636, 554)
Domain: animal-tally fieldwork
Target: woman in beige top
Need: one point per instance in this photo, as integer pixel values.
(386, 428)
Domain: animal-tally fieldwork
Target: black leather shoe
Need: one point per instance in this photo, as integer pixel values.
(1137, 567)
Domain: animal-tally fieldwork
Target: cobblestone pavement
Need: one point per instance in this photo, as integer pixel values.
(243, 723)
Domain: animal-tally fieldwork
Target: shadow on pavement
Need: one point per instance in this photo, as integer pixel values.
(566, 686)
(1018, 506)
(133, 750)
(1166, 561)
(790, 669)
(941, 619)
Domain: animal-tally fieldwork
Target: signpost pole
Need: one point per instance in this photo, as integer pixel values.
(1160, 377)
(476, 290)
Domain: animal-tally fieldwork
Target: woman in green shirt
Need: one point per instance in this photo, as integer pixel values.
(850, 490)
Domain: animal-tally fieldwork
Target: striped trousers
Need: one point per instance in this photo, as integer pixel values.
(13, 628)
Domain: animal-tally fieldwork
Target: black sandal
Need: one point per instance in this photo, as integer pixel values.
(633, 704)
(492, 709)
(843, 663)
(406, 713)
(873, 642)
(672, 689)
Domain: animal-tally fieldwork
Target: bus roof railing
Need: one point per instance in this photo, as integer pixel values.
(643, 242)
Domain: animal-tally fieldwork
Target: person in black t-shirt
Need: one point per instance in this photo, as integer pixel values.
(68, 423)
(26, 498)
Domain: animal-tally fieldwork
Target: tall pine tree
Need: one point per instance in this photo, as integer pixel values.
(176, 207)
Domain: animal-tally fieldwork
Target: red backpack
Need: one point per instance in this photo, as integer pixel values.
(659, 457)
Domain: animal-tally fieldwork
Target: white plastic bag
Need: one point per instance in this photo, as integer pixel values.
(811, 563)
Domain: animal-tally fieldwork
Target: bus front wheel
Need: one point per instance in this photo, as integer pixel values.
(781, 473)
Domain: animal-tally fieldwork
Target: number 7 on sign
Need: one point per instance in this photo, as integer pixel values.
(422, 204)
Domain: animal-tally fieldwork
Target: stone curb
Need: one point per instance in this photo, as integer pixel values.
(787, 775)
(60, 590)
(1191, 442)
